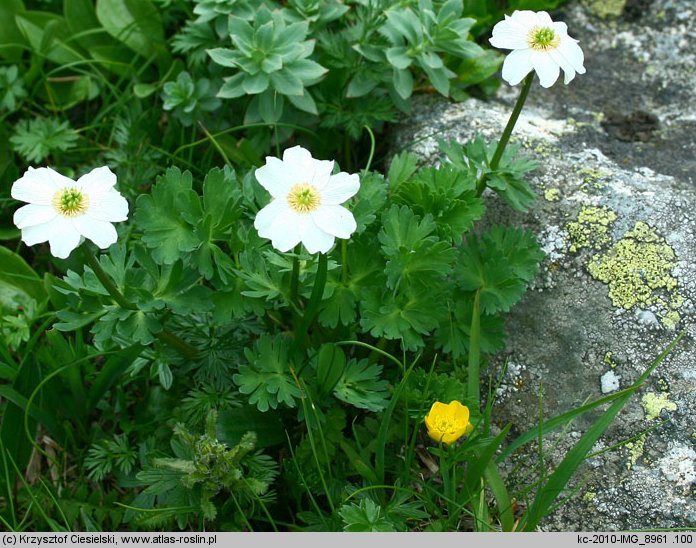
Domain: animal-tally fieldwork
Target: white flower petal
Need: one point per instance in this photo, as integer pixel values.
(101, 233)
(561, 28)
(546, 68)
(277, 177)
(340, 188)
(543, 19)
(108, 206)
(561, 61)
(97, 181)
(335, 220)
(63, 238)
(313, 238)
(33, 214)
(322, 173)
(524, 20)
(572, 52)
(37, 186)
(285, 231)
(299, 157)
(517, 65)
(267, 216)
(36, 234)
(508, 36)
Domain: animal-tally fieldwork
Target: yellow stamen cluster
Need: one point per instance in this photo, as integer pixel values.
(543, 39)
(70, 202)
(303, 198)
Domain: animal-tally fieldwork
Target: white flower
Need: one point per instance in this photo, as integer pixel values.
(64, 211)
(306, 202)
(538, 44)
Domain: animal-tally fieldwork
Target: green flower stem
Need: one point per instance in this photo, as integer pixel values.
(165, 336)
(310, 311)
(448, 475)
(295, 276)
(473, 381)
(178, 344)
(317, 294)
(344, 262)
(498, 154)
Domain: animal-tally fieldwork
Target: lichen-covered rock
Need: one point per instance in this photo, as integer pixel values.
(617, 221)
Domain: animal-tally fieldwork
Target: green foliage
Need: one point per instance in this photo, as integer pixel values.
(420, 38)
(365, 517)
(500, 264)
(267, 378)
(507, 179)
(108, 455)
(415, 254)
(176, 220)
(272, 59)
(36, 140)
(361, 386)
(188, 99)
(11, 88)
(135, 23)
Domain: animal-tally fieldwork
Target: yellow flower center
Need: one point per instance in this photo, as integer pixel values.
(543, 39)
(446, 425)
(303, 198)
(70, 202)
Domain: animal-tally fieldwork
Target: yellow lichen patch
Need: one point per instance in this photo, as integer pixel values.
(635, 450)
(591, 178)
(654, 404)
(606, 8)
(670, 320)
(638, 269)
(609, 359)
(552, 194)
(591, 229)
(589, 496)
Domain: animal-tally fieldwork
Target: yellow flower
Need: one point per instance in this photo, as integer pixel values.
(447, 423)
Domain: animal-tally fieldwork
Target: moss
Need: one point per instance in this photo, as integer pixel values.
(635, 450)
(589, 496)
(606, 8)
(591, 229)
(638, 269)
(654, 404)
(552, 194)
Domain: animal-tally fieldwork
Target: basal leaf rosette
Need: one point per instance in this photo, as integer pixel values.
(272, 59)
(447, 423)
(306, 202)
(64, 212)
(537, 43)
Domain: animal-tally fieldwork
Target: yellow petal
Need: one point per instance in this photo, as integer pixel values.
(454, 415)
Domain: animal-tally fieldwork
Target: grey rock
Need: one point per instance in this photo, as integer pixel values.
(617, 220)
